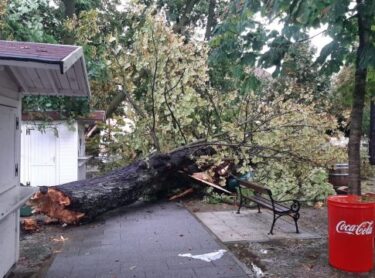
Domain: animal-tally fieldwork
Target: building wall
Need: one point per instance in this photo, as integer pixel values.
(49, 157)
(68, 147)
(9, 242)
(81, 152)
(9, 176)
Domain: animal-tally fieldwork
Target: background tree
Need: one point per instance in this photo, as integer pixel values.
(174, 108)
(342, 94)
(348, 23)
(191, 17)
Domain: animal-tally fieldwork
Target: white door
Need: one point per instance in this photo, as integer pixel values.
(9, 141)
(42, 157)
(9, 167)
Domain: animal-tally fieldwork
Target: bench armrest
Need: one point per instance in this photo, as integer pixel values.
(295, 207)
(286, 201)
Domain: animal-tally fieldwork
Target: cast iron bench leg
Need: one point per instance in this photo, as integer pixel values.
(295, 218)
(239, 207)
(273, 224)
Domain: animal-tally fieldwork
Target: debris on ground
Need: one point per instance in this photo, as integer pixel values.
(257, 270)
(182, 194)
(208, 257)
(60, 239)
(29, 225)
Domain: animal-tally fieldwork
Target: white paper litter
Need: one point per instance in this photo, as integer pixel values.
(258, 272)
(208, 257)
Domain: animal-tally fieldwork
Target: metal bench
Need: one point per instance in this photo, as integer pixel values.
(263, 198)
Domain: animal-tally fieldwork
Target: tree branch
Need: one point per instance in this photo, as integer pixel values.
(170, 109)
(153, 128)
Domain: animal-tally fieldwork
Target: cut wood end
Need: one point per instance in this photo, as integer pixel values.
(202, 176)
(53, 203)
(30, 225)
(182, 194)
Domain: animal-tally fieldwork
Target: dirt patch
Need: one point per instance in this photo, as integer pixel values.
(37, 251)
(195, 205)
(289, 258)
(286, 257)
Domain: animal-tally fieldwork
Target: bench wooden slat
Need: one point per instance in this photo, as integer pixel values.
(254, 186)
(268, 204)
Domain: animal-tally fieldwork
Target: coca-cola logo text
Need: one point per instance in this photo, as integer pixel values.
(365, 228)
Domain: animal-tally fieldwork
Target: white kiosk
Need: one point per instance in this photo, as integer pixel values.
(28, 69)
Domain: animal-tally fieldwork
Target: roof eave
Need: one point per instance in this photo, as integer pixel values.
(63, 65)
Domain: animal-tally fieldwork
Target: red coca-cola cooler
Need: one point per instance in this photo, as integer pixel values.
(351, 233)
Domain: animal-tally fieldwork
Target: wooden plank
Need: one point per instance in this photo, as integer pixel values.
(253, 186)
(209, 184)
(72, 79)
(62, 92)
(71, 59)
(42, 74)
(18, 77)
(64, 81)
(83, 64)
(33, 76)
(80, 74)
(55, 76)
(51, 82)
(25, 64)
(24, 75)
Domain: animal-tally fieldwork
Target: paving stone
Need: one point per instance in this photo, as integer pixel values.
(143, 241)
(70, 251)
(107, 269)
(147, 266)
(131, 274)
(83, 272)
(185, 262)
(251, 226)
(56, 273)
(219, 271)
(182, 273)
(114, 275)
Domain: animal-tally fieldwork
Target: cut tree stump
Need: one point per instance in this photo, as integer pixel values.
(83, 200)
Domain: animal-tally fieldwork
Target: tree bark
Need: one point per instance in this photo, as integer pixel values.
(358, 103)
(356, 132)
(184, 20)
(372, 134)
(69, 11)
(211, 20)
(82, 201)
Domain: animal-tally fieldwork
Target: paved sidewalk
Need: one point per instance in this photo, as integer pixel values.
(251, 226)
(143, 241)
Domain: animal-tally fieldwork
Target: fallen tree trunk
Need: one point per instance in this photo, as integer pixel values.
(83, 200)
